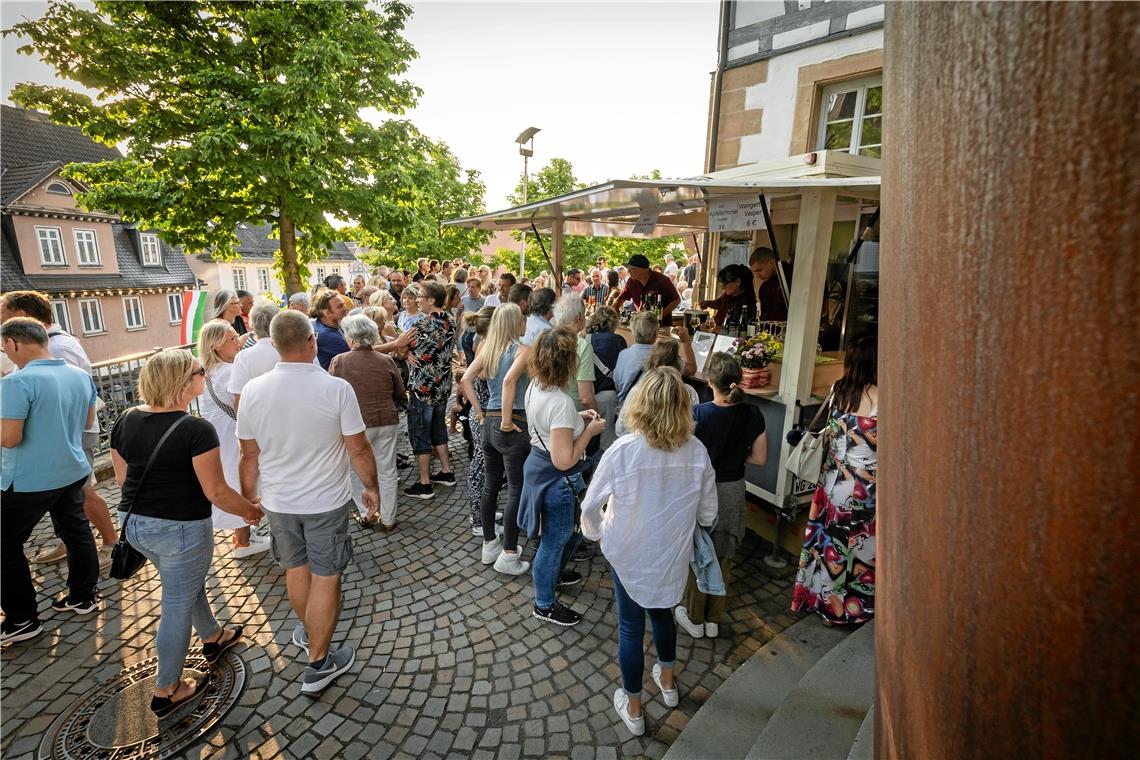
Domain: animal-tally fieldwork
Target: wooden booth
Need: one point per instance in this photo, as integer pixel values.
(811, 210)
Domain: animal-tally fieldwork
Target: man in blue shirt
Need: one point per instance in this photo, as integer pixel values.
(629, 365)
(541, 310)
(330, 341)
(44, 409)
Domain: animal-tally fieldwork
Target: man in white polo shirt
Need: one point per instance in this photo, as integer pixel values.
(259, 358)
(300, 429)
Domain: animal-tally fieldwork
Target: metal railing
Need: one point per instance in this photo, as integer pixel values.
(117, 383)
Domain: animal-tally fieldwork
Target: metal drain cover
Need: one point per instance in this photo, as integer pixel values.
(114, 719)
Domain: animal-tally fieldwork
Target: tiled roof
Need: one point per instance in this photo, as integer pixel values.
(254, 243)
(174, 271)
(29, 137)
(17, 180)
(11, 273)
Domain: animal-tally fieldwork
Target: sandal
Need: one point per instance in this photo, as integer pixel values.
(213, 651)
(163, 706)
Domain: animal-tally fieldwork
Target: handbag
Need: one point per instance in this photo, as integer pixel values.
(126, 560)
(226, 408)
(805, 460)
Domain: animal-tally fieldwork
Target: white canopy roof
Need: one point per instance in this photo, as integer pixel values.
(612, 208)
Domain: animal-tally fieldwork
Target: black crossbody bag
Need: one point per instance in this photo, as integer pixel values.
(126, 560)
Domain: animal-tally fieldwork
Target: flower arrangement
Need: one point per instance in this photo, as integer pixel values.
(758, 351)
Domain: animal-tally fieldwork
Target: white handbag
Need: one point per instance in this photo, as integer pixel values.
(805, 460)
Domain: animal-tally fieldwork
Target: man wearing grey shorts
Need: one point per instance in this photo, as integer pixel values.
(300, 430)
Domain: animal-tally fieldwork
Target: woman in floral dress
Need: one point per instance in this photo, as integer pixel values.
(836, 576)
(477, 324)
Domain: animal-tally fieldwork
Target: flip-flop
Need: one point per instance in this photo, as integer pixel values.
(213, 651)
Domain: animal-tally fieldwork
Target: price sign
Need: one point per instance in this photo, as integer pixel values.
(736, 215)
(646, 223)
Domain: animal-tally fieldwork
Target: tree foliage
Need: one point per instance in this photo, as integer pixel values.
(557, 178)
(246, 112)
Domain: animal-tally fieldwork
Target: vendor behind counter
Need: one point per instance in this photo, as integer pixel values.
(645, 282)
(737, 298)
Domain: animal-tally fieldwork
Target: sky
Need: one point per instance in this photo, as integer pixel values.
(617, 88)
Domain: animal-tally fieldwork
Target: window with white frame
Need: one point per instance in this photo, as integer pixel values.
(851, 117)
(263, 280)
(336, 271)
(320, 274)
(174, 306)
(239, 278)
(50, 240)
(151, 250)
(60, 315)
(91, 314)
(86, 248)
(133, 310)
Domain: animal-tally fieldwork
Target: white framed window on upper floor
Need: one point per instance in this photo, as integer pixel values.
(335, 270)
(263, 279)
(86, 248)
(174, 307)
(58, 188)
(151, 250)
(60, 315)
(239, 278)
(851, 117)
(50, 240)
(91, 315)
(320, 275)
(133, 312)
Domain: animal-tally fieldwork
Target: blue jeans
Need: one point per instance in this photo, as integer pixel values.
(631, 633)
(558, 539)
(182, 552)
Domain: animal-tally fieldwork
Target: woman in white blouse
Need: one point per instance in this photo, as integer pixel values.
(655, 485)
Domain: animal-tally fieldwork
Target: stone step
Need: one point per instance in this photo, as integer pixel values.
(863, 748)
(727, 725)
(822, 715)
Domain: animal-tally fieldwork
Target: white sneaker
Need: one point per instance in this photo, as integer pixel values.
(681, 615)
(712, 630)
(477, 530)
(511, 563)
(256, 546)
(668, 696)
(491, 551)
(636, 725)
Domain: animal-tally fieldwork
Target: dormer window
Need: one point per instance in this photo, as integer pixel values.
(151, 251)
(58, 188)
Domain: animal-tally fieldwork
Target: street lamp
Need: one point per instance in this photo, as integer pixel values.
(525, 141)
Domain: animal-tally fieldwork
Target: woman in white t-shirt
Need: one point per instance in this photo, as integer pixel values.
(658, 484)
(559, 435)
(218, 344)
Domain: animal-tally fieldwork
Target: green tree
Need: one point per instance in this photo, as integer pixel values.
(238, 111)
(441, 189)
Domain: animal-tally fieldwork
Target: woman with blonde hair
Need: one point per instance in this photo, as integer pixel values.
(658, 484)
(506, 442)
(169, 513)
(478, 324)
(733, 434)
(379, 315)
(218, 344)
(559, 435)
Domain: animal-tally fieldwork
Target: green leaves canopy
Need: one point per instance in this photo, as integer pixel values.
(241, 112)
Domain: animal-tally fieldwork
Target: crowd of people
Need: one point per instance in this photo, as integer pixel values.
(592, 439)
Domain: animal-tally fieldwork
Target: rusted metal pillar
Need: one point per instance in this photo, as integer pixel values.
(1008, 623)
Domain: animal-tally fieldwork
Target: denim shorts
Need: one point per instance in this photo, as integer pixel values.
(319, 540)
(427, 425)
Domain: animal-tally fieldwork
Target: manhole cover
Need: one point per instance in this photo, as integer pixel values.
(114, 720)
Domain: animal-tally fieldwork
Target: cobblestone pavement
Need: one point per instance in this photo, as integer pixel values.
(450, 662)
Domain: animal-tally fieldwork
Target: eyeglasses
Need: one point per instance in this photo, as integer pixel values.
(200, 371)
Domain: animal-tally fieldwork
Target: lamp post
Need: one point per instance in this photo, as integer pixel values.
(525, 141)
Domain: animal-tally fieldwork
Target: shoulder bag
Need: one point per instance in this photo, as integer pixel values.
(126, 560)
(805, 460)
(226, 408)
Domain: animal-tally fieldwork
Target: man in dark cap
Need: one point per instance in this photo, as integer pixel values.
(645, 283)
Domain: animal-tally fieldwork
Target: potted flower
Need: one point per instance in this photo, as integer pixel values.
(754, 354)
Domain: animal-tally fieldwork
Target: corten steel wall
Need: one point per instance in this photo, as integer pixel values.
(1007, 599)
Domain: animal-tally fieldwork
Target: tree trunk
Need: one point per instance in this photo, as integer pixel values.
(290, 269)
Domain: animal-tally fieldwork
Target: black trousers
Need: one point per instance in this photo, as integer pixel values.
(19, 514)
